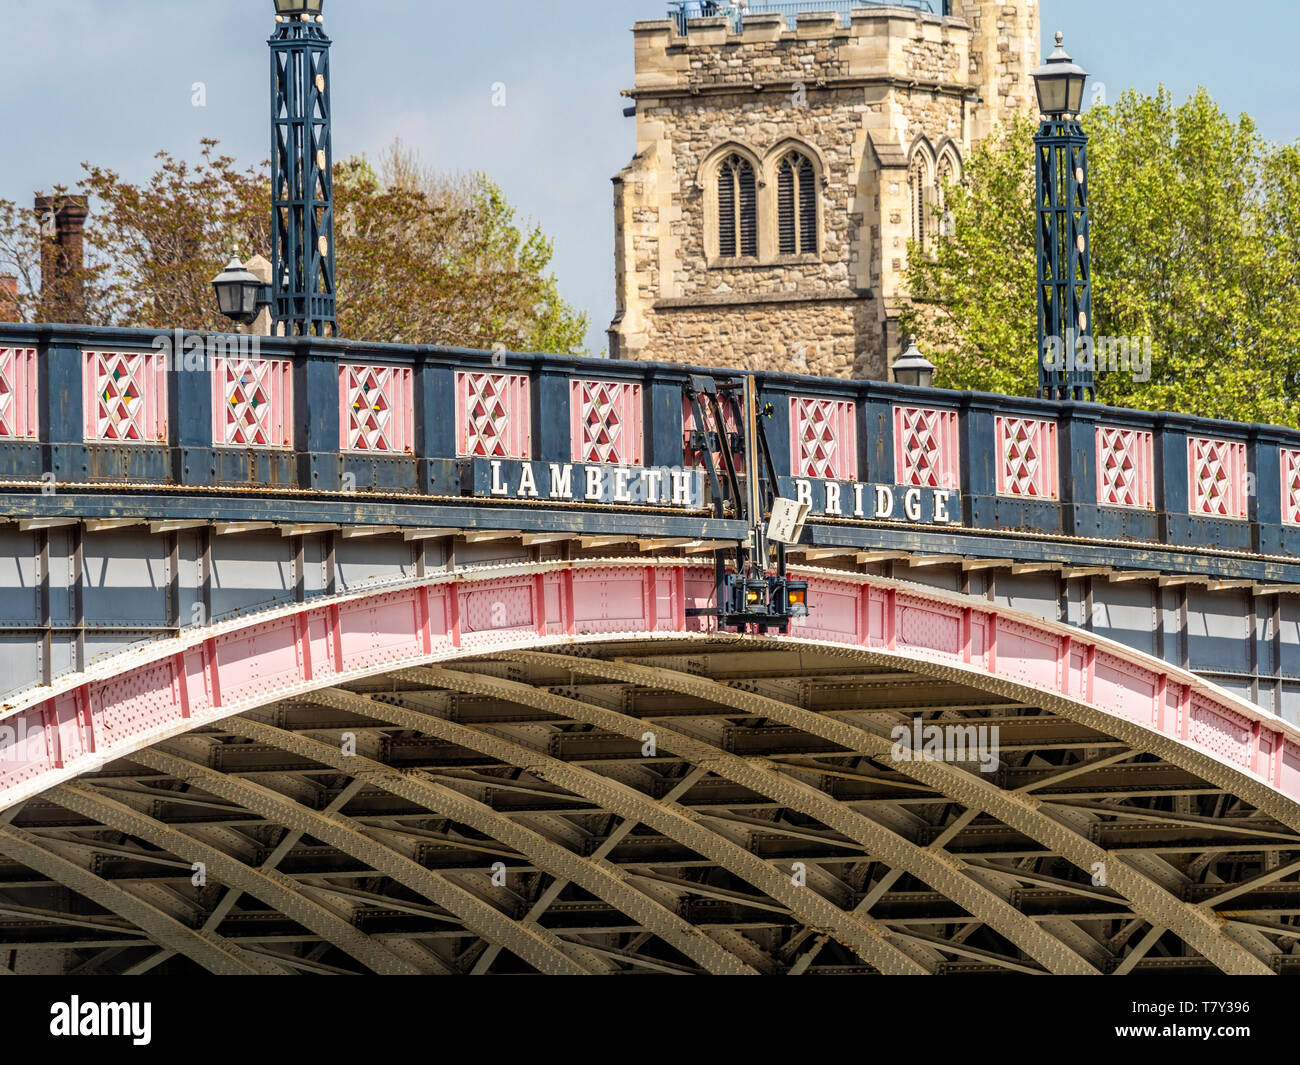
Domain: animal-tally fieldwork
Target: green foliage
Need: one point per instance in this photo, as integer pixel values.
(1195, 236)
(973, 310)
(426, 258)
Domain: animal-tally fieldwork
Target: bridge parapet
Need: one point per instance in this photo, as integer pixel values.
(134, 411)
(150, 485)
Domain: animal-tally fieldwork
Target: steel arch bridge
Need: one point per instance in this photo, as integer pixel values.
(650, 796)
(433, 697)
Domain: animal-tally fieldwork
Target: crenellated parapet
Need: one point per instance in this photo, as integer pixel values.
(878, 44)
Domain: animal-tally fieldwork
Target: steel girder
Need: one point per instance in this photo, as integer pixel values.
(1199, 928)
(865, 937)
(714, 706)
(539, 949)
(208, 949)
(604, 881)
(275, 889)
(941, 871)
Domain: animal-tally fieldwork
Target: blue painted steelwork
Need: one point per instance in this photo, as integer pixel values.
(302, 183)
(1065, 357)
(684, 11)
(187, 477)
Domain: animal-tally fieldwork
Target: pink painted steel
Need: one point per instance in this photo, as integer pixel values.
(606, 422)
(1216, 477)
(78, 725)
(926, 448)
(1290, 486)
(252, 403)
(376, 409)
(124, 397)
(1027, 458)
(1125, 468)
(18, 383)
(493, 415)
(824, 438)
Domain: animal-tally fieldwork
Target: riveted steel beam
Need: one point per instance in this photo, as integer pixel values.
(1203, 931)
(940, 870)
(601, 879)
(275, 889)
(864, 937)
(542, 951)
(207, 949)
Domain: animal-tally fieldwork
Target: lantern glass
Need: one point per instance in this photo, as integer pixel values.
(227, 298)
(1053, 95)
(1075, 94)
(249, 308)
(915, 377)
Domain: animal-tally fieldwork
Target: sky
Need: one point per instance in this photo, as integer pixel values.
(114, 82)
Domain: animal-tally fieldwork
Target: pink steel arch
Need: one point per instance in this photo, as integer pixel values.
(143, 696)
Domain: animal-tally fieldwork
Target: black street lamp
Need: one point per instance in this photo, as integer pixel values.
(913, 368)
(1064, 253)
(241, 294)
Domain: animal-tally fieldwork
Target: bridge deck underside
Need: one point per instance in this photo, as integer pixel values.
(644, 808)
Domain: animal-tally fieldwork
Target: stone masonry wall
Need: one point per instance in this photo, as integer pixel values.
(824, 339)
(859, 100)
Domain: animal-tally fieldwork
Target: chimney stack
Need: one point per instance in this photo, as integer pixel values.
(63, 282)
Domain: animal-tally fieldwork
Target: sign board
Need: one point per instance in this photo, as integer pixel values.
(788, 517)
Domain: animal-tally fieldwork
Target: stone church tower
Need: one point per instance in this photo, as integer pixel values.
(780, 171)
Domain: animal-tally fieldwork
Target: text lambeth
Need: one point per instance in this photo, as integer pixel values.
(568, 482)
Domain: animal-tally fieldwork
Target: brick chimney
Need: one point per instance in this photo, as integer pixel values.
(63, 282)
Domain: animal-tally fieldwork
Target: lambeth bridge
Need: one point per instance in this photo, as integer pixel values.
(326, 657)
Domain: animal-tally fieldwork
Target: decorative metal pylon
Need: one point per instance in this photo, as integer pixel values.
(1066, 363)
(302, 185)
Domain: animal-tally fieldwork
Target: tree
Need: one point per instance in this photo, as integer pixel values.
(972, 306)
(20, 259)
(426, 257)
(154, 248)
(422, 257)
(1195, 232)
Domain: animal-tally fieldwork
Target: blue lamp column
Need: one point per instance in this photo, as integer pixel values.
(302, 160)
(1065, 355)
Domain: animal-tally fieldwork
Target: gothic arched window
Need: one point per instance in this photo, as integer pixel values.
(918, 188)
(737, 209)
(947, 177)
(796, 205)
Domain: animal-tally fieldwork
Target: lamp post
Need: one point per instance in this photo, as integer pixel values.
(302, 184)
(241, 294)
(913, 368)
(1064, 265)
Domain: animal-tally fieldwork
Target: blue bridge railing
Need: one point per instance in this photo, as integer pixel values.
(684, 11)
